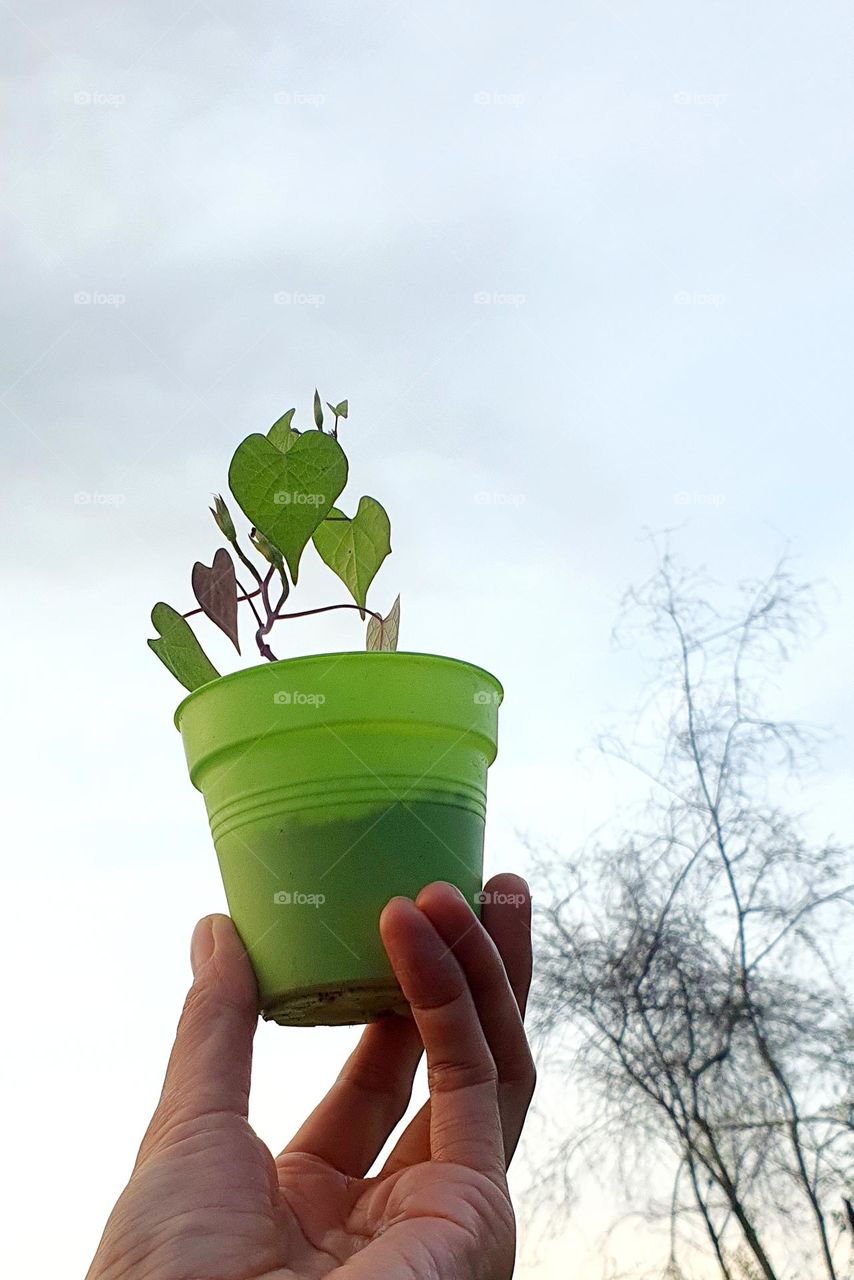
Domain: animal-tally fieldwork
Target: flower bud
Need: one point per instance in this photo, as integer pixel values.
(223, 519)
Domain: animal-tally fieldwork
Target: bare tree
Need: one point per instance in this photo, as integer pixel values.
(693, 972)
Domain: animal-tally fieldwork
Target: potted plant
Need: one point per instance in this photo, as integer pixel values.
(335, 781)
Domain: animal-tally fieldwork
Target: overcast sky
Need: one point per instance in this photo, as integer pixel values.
(583, 269)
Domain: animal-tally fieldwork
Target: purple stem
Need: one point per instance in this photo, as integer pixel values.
(247, 595)
(327, 608)
(264, 628)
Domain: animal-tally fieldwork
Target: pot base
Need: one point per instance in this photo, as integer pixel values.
(336, 1005)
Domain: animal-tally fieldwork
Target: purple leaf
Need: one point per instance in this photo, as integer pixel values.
(216, 591)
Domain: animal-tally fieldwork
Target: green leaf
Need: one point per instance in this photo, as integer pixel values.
(383, 636)
(340, 410)
(287, 495)
(179, 650)
(216, 591)
(282, 434)
(318, 411)
(355, 549)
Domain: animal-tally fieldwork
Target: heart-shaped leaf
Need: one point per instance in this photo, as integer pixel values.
(382, 636)
(287, 495)
(282, 434)
(179, 650)
(216, 591)
(355, 549)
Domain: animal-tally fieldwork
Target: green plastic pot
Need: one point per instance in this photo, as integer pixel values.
(332, 784)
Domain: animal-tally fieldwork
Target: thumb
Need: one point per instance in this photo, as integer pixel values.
(210, 1064)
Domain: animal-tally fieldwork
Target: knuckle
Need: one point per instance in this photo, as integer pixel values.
(529, 1068)
(519, 1068)
(447, 1075)
(521, 1071)
(206, 1005)
(433, 993)
(373, 1078)
(195, 1016)
(196, 1005)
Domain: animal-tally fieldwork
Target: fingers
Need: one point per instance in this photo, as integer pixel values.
(413, 1145)
(493, 996)
(506, 916)
(465, 1126)
(210, 1063)
(348, 1129)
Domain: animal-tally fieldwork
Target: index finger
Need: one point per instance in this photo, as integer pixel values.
(465, 1122)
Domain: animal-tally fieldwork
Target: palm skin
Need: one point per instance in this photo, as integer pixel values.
(207, 1200)
(216, 1205)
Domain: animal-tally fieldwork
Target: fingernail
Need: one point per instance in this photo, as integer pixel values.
(202, 945)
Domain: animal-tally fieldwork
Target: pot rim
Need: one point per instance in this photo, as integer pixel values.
(371, 654)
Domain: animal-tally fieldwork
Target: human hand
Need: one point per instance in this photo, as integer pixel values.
(207, 1201)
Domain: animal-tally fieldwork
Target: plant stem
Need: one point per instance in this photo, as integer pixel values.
(266, 624)
(249, 565)
(264, 628)
(327, 608)
(247, 595)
